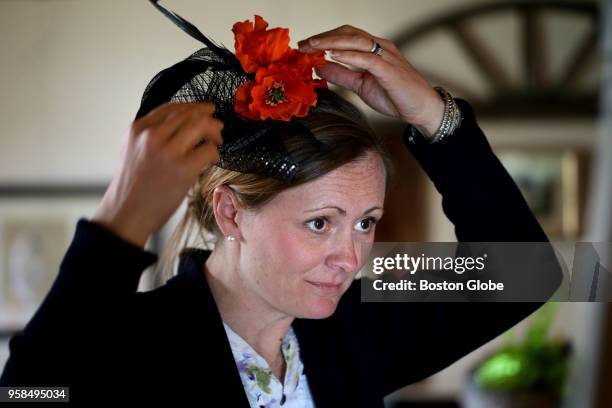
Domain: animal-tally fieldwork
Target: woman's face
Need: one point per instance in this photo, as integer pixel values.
(301, 251)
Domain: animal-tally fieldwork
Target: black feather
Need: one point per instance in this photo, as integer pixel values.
(213, 73)
(231, 61)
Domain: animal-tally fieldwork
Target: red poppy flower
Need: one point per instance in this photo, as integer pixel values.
(258, 47)
(279, 92)
(304, 62)
(283, 85)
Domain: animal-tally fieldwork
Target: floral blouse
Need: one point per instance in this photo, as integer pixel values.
(263, 388)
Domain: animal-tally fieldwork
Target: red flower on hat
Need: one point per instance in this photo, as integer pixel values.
(278, 92)
(283, 85)
(258, 47)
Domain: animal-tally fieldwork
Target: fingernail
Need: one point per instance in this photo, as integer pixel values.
(314, 41)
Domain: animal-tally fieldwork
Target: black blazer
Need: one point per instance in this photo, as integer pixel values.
(95, 333)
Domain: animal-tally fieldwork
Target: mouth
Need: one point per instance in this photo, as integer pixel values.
(326, 288)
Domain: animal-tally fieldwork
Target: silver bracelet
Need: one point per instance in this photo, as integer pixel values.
(451, 119)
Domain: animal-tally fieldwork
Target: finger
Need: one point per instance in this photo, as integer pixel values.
(165, 130)
(388, 46)
(203, 157)
(343, 31)
(375, 65)
(349, 41)
(176, 120)
(355, 42)
(340, 75)
(168, 109)
(195, 131)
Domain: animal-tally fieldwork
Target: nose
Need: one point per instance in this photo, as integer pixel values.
(345, 254)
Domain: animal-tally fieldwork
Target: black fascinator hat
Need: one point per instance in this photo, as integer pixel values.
(214, 74)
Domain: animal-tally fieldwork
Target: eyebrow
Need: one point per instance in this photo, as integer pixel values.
(343, 212)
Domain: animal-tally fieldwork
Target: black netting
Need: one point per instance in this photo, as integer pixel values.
(213, 74)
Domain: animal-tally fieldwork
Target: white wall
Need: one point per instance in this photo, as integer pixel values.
(73, 71)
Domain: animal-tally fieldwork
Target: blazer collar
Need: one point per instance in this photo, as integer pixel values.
(193, 284)
(328, 383)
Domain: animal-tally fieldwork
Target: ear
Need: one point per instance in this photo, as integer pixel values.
(227, 211)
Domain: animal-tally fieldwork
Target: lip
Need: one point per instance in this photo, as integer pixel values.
(326, 288)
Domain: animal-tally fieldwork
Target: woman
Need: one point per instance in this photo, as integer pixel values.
(272, 316)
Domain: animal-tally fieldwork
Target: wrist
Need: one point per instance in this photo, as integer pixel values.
(432, 120)
(449, 122)
(124, 230)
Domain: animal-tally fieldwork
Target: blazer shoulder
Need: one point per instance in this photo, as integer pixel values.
(172, 289)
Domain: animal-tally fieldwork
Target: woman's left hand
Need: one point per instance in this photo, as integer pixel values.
(388, 83)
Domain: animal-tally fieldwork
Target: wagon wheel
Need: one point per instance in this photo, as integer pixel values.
(532, 89)
(536, 90)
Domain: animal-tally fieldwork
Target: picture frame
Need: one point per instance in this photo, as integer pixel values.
(37, 224)
(554, 182)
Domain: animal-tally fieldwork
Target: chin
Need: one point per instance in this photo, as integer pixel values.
(320, 308)
(318, 302)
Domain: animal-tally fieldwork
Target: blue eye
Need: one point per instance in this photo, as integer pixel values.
(319, 221)
(319, 224)
(370, 222)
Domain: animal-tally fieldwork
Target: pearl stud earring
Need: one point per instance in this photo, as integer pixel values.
(231, 238)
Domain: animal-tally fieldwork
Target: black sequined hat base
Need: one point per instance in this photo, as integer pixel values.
(213, 74)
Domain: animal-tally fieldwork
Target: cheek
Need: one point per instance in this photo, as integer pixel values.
(286, 259)
(301, 260)
(291, 251)
(282, 259)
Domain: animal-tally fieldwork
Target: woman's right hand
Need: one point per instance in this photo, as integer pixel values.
(162, 158)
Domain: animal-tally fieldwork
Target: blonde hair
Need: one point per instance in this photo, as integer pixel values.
(340, 135)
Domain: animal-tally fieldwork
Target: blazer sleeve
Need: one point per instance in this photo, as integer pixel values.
(97, 279)
(417, 339)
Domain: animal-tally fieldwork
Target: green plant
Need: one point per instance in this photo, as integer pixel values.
(537, 363)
